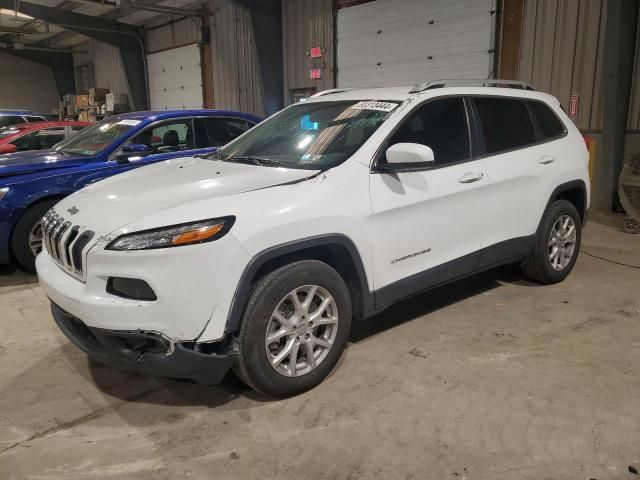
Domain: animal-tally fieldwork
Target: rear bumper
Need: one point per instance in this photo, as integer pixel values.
(144, 352)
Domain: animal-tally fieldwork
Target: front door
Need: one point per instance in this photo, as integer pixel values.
(428, 225)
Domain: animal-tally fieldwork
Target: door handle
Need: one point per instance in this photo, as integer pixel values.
(470, 177)
(546, 160)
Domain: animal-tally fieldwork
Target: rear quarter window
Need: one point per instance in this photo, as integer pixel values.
(549, 125)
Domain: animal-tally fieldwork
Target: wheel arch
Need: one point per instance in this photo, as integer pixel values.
(336, 250)
(46, 198)
(574, 192)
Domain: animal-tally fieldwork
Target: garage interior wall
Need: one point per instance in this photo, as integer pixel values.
(27, 84)
(306, 24)
(107, 65)
(561, 53)
(237, 81)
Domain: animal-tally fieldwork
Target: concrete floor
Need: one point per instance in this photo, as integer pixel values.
(489, 378)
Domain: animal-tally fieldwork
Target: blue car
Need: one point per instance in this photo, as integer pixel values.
(31, 182)
(10, 116)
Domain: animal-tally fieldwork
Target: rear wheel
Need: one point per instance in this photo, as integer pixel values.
(557, 245)
(294, 329)
(26, 241)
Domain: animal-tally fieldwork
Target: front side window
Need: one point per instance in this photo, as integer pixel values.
(31, 118)
(170, 136)
(442, 126)
(6, 120)
(94, 139)
(314, 135)
(24, 142)
(505, 122)
(548, 122)
(46, 138)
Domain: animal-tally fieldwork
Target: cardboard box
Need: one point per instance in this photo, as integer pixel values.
(115, 102)
(82, 100)
(97, 95)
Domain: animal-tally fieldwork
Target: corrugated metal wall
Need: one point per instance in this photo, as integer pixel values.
(178, 34)
(237, 83)
(27, 84)
(107, 64)
(633, 123)
(306, 24)
(561, 53)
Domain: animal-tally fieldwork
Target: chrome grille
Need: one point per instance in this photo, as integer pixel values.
(65, 242)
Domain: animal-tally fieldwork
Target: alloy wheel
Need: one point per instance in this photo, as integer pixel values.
(562, 242)
(301, 331)
(35, 239)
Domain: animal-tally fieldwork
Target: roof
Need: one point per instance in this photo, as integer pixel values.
(162, 114)
(45, 124)
(404, 93)
(15, 111)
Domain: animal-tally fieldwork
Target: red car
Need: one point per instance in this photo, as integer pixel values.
(36, 135)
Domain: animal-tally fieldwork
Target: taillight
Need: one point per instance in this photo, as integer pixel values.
(587, 141)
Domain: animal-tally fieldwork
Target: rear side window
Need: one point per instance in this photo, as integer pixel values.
(220, 131)
(441, 125)
(548, 122)
(505, 123)
(34, 119)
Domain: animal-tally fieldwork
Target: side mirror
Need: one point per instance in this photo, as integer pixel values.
(409, 156)
(133, 150)
(8, 148)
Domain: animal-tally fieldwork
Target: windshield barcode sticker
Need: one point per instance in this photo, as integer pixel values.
(129, 122)
(379, 106)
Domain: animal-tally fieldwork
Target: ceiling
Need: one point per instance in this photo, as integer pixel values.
(49, 35)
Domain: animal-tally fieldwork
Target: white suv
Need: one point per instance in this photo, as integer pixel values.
(259, 257)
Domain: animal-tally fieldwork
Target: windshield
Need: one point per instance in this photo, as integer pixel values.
(8, 131)
(92, 140)
(315, 135)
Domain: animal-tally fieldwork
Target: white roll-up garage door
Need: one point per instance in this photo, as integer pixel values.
(405, 42)
(175, 78)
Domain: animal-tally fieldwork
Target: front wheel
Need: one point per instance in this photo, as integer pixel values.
(557, 244)
(26, 241)
(294, 329)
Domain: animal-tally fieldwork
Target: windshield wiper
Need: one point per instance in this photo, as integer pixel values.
(257, 161)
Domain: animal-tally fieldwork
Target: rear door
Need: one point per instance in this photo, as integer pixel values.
(520, 169)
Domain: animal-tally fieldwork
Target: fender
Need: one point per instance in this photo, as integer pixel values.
(563, 188)
(241, 295)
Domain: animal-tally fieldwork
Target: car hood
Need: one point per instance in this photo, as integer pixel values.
(119, 200)
(35, 161)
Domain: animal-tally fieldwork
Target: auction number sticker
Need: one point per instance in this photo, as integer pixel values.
(129, 122)
(372, 105)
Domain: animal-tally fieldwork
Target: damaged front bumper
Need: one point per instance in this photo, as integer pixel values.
(144, 352)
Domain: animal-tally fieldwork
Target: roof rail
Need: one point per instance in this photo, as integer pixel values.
(330, 91)
(464, 82)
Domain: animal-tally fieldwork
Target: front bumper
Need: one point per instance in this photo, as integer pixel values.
(194, 286)
(144, 352)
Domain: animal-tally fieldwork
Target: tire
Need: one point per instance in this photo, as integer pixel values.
(539, 267)
(20, 239)
(274, 291)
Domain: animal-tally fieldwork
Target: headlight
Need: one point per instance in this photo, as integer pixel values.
(174, 235)
(3, 192)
